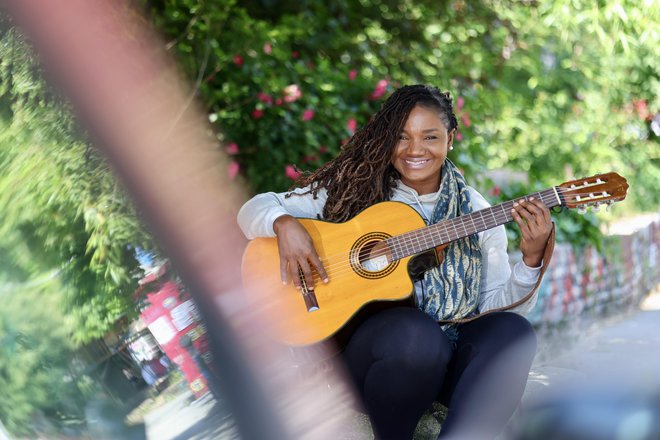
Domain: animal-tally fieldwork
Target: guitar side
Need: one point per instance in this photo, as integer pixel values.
(350, 287)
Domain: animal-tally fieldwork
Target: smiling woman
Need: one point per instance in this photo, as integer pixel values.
(446, 348)
(422, 149)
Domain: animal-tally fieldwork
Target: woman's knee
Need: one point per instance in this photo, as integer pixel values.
(505, 328)
(515, 324)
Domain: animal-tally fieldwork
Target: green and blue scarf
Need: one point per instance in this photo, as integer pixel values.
(452, 288)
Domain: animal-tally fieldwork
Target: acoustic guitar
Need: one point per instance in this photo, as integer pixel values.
(372, 258)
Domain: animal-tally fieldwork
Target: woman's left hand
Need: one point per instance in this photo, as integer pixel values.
(533, 218)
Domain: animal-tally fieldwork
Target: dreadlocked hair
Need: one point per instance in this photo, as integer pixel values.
(362, 174)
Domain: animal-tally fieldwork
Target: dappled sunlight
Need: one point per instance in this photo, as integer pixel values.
(652, 301)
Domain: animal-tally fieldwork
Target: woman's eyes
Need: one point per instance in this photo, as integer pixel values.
(427, 138)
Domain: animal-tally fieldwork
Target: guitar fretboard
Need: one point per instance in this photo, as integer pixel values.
(423, 239)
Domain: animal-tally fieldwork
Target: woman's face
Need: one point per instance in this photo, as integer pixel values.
(422, 150)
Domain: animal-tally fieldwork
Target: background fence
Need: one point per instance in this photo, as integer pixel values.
(594, 280)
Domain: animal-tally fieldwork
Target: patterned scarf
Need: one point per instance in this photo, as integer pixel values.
(452, 288)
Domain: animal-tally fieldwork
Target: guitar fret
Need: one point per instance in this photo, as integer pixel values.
(464, 228)
(506, 216)
(419, 243)
(493, 215)
(453, 225)
(438, 230)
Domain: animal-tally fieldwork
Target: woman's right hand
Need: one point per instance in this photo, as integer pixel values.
(296, 249)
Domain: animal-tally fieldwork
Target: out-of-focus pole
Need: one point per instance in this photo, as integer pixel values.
(127, 93)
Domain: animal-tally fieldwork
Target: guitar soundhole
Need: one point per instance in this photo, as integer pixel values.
(371, 256)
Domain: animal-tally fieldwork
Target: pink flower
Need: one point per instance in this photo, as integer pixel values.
(232, 169)
(307, 115)
(642, 109)
(351, 125)
(295, 54)
(459, 136)
(238, 60)
(268, 49)
(232, 148)
(278, 101)
(465, 119)
(257, 113)
(352, 74)
(265, 98)
(459, 103)
(292, 93)
(291, 172)
(323, 149)
(310, 158)
(379, 91)
(496, 191)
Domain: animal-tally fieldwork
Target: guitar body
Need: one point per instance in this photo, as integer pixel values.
(343, 249)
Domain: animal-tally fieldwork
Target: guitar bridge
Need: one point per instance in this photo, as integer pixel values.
(307, 293)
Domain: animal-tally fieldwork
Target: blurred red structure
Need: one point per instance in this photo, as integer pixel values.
(170, 314)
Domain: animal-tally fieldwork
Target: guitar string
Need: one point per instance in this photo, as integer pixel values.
(446, 230)
(546, 196)
(441, 231)
(343, 265)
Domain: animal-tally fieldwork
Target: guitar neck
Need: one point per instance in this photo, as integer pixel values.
(420, 240)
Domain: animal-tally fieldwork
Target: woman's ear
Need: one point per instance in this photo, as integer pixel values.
(450, 139)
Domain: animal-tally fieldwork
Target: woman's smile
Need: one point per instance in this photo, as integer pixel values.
(422, 150)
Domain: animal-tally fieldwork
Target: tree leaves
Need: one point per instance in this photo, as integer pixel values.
(61, 206)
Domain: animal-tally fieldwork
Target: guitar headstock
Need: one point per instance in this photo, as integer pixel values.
(593, 191)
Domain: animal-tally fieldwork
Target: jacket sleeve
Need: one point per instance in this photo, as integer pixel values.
(501, 286)
(257, 215)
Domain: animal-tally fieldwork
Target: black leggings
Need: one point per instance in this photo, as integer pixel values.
(401, 362)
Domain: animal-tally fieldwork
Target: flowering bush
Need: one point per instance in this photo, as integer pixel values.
(285, 96)
(287, 83)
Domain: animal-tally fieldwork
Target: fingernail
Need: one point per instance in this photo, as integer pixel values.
(515, 203)
(325, 280)
(531, 198)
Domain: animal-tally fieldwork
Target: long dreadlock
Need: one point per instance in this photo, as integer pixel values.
(362, 174)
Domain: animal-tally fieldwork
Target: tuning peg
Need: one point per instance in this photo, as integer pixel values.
(608, 206)
(595, 207)
(582, 209)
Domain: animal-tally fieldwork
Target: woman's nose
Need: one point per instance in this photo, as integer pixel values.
(415, 146)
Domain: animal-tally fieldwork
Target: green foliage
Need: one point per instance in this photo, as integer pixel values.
(554, 88)
(35, 355)
(60, 206)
